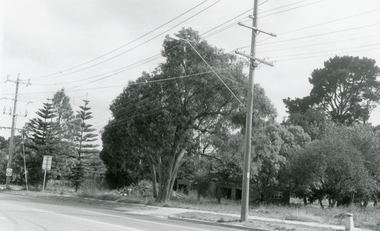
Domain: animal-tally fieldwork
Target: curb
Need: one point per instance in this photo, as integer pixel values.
(214, 224)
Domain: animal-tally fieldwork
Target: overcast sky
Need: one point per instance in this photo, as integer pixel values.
(92, 48)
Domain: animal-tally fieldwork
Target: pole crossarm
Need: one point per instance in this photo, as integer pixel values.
(257, 30)
(255, 59)
(18, 81)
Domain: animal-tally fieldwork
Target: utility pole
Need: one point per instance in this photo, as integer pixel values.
(248, 131)
(9, 165)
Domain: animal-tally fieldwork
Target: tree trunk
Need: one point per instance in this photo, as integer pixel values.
(176, 167)
(167, 181)
(320, 202)
(154, 181)
(154, 177)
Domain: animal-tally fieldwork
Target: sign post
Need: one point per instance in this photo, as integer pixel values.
(46, 166)
(8, 172)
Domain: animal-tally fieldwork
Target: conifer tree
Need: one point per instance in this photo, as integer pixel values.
(42, 141)
(86, 152)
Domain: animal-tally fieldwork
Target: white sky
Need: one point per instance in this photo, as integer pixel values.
(45, 41)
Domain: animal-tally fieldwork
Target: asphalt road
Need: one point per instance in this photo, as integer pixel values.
(20, 213)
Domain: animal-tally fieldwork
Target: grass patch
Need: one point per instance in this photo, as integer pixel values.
(363, 217)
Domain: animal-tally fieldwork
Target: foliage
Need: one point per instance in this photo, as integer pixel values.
(336, 166)
(274, 145)
(313, 122)
(41, 141)
(64, 132)
(346, 89)
(3, 162)
(124, 165)
(162, 115)
(85, 160)
(55, 132)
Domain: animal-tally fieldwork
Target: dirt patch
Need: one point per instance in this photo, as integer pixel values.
(254, 224)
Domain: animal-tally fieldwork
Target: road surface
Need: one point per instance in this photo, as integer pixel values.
(21, 213)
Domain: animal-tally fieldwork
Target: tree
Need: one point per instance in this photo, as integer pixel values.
(162, 113)
(274, 146)
(313, 122)
(333, 167)
(366, 139)
(3, 162)
(64, 133)
(125, 166)
(346, 88)
(41, 140)
(86, 154)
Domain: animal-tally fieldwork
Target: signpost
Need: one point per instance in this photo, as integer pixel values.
(46, 166)
(8, 172)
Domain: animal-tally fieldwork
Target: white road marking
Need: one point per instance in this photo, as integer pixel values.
(2, 218)
(99, 222)
(150, 222)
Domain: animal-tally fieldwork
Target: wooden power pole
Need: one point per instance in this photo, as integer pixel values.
(248, 130)
(9, 165)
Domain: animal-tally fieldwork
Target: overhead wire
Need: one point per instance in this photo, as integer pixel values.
(266, 15)
(165, 32)
(276, 13)
(137, 83)
(202, 34)
(118, 48)
(120, 70)
(346, 50)
(111, 73)
(319, 44)
(208, 33)
(139, 45)
(120, 122)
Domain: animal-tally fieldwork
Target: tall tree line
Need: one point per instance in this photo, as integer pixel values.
(66, 136)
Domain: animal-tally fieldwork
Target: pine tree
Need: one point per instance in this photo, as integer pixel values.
(86, 152)
(42, 141)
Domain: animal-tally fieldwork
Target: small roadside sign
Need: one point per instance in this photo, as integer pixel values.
(46, 163)
(8, 172)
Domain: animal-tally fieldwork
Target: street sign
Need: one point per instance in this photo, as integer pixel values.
(8, 172)
(46, 163)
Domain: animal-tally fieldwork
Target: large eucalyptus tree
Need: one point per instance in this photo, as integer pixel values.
(160, 116)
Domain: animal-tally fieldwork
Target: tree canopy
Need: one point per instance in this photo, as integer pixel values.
(340, 166)
(346, 89)
(162, 113)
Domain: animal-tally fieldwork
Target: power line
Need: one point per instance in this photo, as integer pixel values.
(327, 53)
(321, 34)
(151, 111)
(122, 53)
(157, 56)
(328, 22)
(153, 38)
(126, 43)
(114, 72)
(319, 44)
(263, 16)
